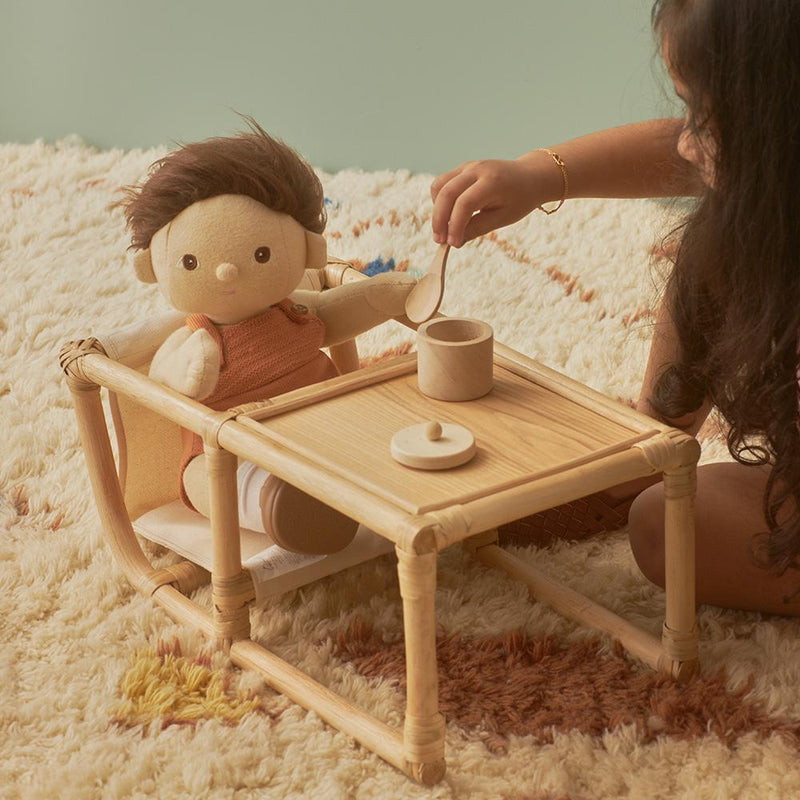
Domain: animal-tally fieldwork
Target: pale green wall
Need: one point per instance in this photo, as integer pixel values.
(402, 84)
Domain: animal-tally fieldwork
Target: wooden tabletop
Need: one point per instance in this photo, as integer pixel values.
(524, 431)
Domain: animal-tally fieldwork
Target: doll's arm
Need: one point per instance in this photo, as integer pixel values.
(137, 343)
(188, 362)
(356, 307)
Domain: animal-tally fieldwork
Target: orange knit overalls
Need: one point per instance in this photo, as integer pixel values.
(261, 357)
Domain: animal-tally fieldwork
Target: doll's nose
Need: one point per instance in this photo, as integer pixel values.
(227, 272)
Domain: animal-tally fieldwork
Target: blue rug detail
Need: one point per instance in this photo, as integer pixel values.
(379, 265)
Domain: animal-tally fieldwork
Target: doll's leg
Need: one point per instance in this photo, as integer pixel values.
(728, 514)
(195, 484)
(291, 518)
(299, 522)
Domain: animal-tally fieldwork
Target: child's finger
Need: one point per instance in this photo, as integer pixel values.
(443, 205)
(481, 223)
(442, 179)
(469, 201)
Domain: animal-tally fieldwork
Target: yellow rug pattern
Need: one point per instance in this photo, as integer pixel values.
(166, 686)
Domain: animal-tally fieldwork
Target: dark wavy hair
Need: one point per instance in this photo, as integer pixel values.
(251, 163)
(734, 291)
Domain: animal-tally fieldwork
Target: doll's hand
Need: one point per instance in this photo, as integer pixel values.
(387, 293)
(188, 362)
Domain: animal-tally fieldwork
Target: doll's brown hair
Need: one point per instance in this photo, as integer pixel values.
(249, 163)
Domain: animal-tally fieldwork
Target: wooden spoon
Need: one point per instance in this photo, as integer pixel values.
(424, 299)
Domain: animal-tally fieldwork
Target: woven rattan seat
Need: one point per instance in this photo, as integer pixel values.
(579, 519)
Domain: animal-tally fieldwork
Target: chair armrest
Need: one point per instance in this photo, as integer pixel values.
(335, 273)
(338, 272)
(135, 345)
(86, 365)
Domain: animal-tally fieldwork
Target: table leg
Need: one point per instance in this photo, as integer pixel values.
(679, 635)
(423, 732)
(231, 588)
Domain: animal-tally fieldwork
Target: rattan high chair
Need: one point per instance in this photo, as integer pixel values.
(138, 494)
(544, 440)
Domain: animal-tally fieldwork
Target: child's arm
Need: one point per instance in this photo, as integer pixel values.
(637, 160)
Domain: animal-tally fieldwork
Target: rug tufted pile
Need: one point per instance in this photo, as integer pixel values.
(103, 696)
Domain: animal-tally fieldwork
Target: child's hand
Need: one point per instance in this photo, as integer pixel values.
(480, 196)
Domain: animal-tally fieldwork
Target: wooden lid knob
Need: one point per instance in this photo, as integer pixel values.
(433, 445)
(433, 431)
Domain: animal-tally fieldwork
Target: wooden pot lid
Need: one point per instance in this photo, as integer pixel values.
(433, 445)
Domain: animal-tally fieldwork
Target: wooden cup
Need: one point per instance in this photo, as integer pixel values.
(454, 358)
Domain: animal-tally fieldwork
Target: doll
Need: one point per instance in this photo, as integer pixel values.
(227, 227)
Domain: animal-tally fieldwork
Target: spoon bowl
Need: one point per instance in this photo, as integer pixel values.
(424, 299)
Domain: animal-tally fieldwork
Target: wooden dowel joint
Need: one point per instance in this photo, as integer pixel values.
(185, 576)
(334, 272)
(234, 592)
(419, 534)
(670, 450)
(680, 645)
(683, 671)
(453, 524)
(417, 574)
(423, 738)
(680, 483)
(435, 530)
(430, 773)
(231, 625)
(70, 358)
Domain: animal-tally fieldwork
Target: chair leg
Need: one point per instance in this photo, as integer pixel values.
(231, 588)
(423, 732)
(679, 635)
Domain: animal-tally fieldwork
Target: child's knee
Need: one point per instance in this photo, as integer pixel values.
(646, 533)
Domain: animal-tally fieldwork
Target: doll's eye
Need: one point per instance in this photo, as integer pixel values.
(189, 261)
(262, 255)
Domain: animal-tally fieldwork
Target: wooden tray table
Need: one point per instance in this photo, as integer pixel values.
(542, 440)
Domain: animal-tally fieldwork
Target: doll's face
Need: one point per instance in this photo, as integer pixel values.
(228, 257)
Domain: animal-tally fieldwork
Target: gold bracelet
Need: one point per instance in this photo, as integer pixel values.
(563, 167)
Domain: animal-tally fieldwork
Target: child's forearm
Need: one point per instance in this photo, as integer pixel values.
(636, 160)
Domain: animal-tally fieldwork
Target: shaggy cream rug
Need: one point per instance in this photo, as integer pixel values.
(536, 706)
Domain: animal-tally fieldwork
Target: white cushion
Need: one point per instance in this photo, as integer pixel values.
(273, 569)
